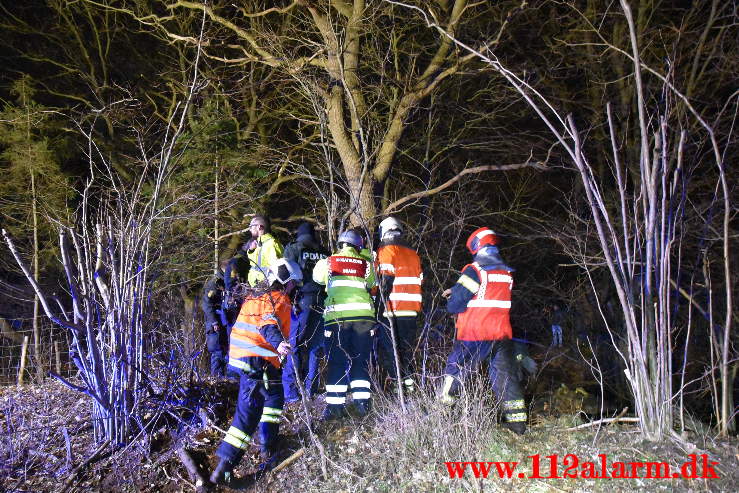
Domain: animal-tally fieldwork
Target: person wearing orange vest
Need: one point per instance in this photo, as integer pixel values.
(257, 345)
(481, 298)
(400, 277)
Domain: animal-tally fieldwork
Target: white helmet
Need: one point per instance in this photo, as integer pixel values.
(284, 270)
(390, 224)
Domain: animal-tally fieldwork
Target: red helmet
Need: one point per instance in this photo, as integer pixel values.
(480, 238)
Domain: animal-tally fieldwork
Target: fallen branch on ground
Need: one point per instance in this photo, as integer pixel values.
(295, 456)
(620, 417)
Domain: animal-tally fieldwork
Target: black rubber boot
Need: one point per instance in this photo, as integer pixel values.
(362, 408)
(222, 473)
(269, 462)
(517, 427)
(333, 413)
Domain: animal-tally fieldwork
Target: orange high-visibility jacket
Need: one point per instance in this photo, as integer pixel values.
(272, 308)
(487, 317)
(404, 264)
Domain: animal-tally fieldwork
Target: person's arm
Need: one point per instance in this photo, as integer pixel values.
(210, 302)
(386, 272)
(320, 272)
(291, 253)
(272, 334)
(463, 291)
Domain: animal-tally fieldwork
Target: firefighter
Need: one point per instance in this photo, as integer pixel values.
(399, 277)
(262, 250)
(306, 334)
(481, 298)
(216, 321)
(348, 319)
(258, 342)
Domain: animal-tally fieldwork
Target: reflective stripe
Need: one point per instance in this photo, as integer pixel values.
(349, 306)
(400, 313)
(515, 417)
(259, 350)
(237, 363)
(407, 280)
(267, 418)
(482, 234)
(468, 283)
(274, 411)
(336, 388)
(361, 395)
(448, 399)
(405, 297)
(515, 404)
(246, 326)
(500, 278)
(326, 333)
(387, 267)
(342, 283)
(445, 396)
(488, 304)
(360, 383)
(237, 438)
(335, 400)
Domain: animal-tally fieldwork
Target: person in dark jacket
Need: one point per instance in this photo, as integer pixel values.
(481, 300)
(306, 334)
(216, 322)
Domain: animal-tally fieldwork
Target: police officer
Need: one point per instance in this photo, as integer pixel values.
(481, 298)
(306, 334)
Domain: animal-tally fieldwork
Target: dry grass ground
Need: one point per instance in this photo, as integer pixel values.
(389, 451)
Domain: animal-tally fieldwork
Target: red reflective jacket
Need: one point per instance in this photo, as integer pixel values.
(487, 317)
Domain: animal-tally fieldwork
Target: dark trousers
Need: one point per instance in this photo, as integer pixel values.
(306, 339)
(217, 344)
(502, 370)
(259, 404)
(405, 338)
(348, 346)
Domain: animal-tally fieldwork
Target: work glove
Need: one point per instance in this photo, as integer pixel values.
(284, 349)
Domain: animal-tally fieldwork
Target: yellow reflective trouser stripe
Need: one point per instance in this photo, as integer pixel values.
(470, 284)
(515, 417)
(271, 415)
(237, 363)
(237, 438)
(515, 404)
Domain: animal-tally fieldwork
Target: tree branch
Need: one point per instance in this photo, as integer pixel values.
(451, 181)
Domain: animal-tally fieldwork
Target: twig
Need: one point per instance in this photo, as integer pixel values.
(620, 417)
(295, 456)
(95, 456)
(192, 468)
